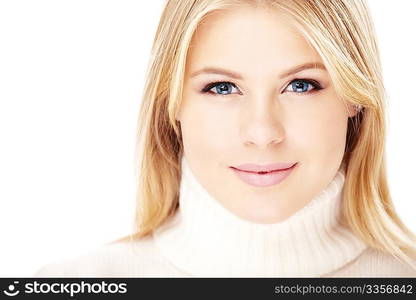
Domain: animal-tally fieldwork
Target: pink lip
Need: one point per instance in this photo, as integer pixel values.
(264, 168)
(264, 179)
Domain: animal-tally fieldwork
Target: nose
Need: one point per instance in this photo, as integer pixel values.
(262, 124)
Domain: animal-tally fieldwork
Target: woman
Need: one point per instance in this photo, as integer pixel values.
(261, 146)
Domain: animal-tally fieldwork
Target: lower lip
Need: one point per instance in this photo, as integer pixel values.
(262, 180)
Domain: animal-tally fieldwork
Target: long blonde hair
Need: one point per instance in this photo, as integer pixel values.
(343, 34)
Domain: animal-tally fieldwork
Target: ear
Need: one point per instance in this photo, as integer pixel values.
(353, 109)
(178, 115)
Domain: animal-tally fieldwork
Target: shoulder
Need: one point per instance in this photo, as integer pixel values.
(376, 263)
(123, 257)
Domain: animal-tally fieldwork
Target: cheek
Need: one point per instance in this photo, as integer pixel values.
(320, 133)
(206, 129)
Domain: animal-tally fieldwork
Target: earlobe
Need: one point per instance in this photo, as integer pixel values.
(177, 116)
(353, 110)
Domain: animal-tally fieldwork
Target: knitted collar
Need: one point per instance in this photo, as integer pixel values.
(204, 239)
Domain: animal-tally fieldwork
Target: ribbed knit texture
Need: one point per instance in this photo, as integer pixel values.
(204, 239)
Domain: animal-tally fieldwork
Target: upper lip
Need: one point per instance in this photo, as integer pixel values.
(264, 168)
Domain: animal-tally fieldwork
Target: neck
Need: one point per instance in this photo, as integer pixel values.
(205, 239)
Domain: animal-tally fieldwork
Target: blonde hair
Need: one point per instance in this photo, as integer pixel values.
(343, 34)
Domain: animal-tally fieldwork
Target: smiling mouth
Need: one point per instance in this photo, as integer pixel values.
(265, 172)
(263, 178)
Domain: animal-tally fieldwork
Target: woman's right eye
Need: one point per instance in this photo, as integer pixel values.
(220, 88)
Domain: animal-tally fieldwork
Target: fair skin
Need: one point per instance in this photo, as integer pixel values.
(261, 117)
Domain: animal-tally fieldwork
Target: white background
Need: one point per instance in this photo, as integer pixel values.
(71, 77)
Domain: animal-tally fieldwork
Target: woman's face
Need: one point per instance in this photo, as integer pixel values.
(260, 114)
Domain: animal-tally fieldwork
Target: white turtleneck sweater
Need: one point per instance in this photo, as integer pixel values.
(204, 239)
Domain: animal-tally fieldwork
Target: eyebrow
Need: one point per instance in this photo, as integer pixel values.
(294, 70)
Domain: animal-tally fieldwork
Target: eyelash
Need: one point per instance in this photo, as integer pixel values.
(317, 86)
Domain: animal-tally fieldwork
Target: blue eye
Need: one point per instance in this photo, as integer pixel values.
(220, 88)
(303, 85)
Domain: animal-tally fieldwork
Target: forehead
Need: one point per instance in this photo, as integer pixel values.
(254, 40)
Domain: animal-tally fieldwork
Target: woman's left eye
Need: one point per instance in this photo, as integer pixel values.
(303, 86)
